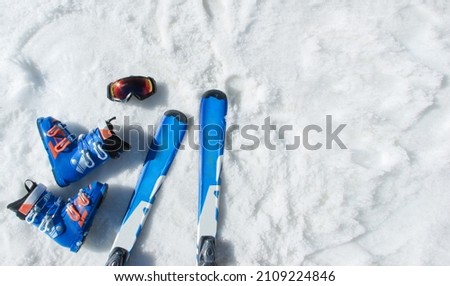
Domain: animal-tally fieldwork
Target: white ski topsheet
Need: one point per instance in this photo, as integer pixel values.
(130, 229)
(207, 224)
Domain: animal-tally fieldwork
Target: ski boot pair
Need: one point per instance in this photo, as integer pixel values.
(71, 158)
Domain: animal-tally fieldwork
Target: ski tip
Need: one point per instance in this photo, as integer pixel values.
(177, 114)
(215, 93)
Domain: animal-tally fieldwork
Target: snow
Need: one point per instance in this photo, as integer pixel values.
(382, 68)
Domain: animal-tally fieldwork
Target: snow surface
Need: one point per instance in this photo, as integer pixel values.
(382, 68)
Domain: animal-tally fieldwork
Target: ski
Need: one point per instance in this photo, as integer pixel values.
(163, 149)
(213, 109)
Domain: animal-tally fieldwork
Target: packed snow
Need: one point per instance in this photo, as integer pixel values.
(380, 67)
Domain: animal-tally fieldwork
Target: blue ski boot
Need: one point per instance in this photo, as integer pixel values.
(72, 158)
(67, 223)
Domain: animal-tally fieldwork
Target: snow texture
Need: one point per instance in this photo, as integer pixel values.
(381, 67)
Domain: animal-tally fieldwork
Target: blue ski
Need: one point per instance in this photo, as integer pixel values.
(159, 158)
(213, 110)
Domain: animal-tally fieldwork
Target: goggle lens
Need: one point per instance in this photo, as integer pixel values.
(123, 89)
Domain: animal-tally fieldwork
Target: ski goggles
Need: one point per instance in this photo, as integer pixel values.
(140, 87)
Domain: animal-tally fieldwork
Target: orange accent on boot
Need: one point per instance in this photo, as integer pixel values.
(83, 218)
(82, 199)
(62, 145)
(53, 150)
(59, 147)
(53, 131)
(72, 212)
(105, 133)
(25, 208)
(31, 200)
